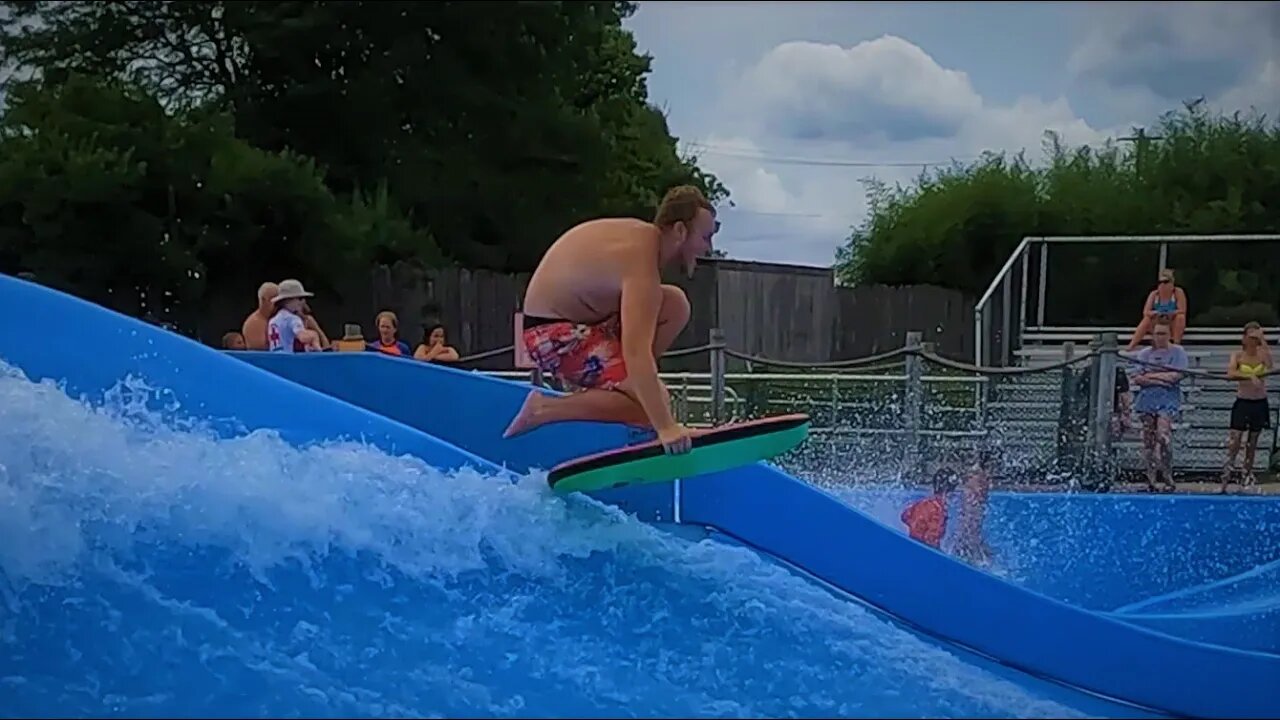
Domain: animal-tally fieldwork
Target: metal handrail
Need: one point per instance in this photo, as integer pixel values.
(978, 309)
(1053, 239)
(925, 432)
(706, 399)
(1044, 241)
(1008, 265)
(790, 377)
(1092, 331)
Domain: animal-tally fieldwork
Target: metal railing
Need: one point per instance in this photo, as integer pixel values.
(900, 409)
(1000, 326)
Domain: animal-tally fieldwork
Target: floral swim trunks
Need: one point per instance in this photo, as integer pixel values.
(577, 356)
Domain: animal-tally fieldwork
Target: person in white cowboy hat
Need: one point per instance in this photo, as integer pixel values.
(287, 332)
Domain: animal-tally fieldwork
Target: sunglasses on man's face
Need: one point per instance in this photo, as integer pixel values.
(714, 229)
(711, 234)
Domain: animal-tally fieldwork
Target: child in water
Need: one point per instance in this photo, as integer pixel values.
(971, 545)
(926, 518)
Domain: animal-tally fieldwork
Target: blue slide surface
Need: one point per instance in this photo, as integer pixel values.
(1241, 611)
(189, 535)
(170, 578)
(791, 520)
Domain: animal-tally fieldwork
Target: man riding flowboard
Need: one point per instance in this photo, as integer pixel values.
(597, 317)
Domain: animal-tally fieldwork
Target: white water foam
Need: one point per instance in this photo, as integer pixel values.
(148, 569)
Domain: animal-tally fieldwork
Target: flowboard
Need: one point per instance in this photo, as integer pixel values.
(714, 450)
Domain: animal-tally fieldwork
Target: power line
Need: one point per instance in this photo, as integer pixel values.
(768, 213)
(817, 162)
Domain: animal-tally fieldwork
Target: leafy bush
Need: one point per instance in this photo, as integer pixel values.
(1208, 174)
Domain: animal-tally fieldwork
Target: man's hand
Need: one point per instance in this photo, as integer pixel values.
(676, 439)
(310, 323)
(310, 339)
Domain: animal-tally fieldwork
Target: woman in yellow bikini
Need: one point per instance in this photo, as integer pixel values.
(1251, 412)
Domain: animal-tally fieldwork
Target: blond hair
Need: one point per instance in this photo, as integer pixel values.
(395, 322)
(681, 204)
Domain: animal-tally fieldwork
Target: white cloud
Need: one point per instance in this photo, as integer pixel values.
(754, 188)
(881, 101)
(1023, 125)
(1260, 92)
(1147, 61)
(886, 94)
(884, 88)
(887, 100)
(778, 214)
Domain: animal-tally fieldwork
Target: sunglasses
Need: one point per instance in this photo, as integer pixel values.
(711, 234)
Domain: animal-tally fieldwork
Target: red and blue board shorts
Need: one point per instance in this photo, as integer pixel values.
(578, 356)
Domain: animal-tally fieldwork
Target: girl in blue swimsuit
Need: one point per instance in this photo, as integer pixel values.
(1167, 302)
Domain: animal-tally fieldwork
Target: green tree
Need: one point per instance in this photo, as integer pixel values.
(105, 194)
(1208, 174)
(493, 125)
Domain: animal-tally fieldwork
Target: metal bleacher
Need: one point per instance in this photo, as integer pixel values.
(1200, 436)
(1011, 330)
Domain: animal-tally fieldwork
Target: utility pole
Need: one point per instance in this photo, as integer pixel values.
(1140, 138)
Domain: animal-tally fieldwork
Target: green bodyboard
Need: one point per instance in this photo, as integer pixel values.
(715, 450)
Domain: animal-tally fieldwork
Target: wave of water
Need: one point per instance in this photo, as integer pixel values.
(148, 570)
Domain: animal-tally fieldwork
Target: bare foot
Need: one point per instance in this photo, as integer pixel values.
(527, 417)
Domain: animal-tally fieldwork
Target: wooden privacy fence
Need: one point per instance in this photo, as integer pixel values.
(783, 312)
(798, 314)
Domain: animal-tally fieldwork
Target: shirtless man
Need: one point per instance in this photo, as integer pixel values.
(597, 317)
(254, 328)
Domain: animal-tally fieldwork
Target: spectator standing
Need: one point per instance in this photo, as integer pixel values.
(254, 328)
(309, 319)
(287, 331)
(1251, 413)
(388, 341)
(1159, 402)
(434, 347)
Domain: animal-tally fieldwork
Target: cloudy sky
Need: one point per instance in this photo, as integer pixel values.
(794, 104)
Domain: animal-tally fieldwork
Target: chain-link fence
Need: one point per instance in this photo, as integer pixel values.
(894, 417)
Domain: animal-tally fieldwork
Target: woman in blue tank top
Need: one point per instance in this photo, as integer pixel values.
(1167, 302)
